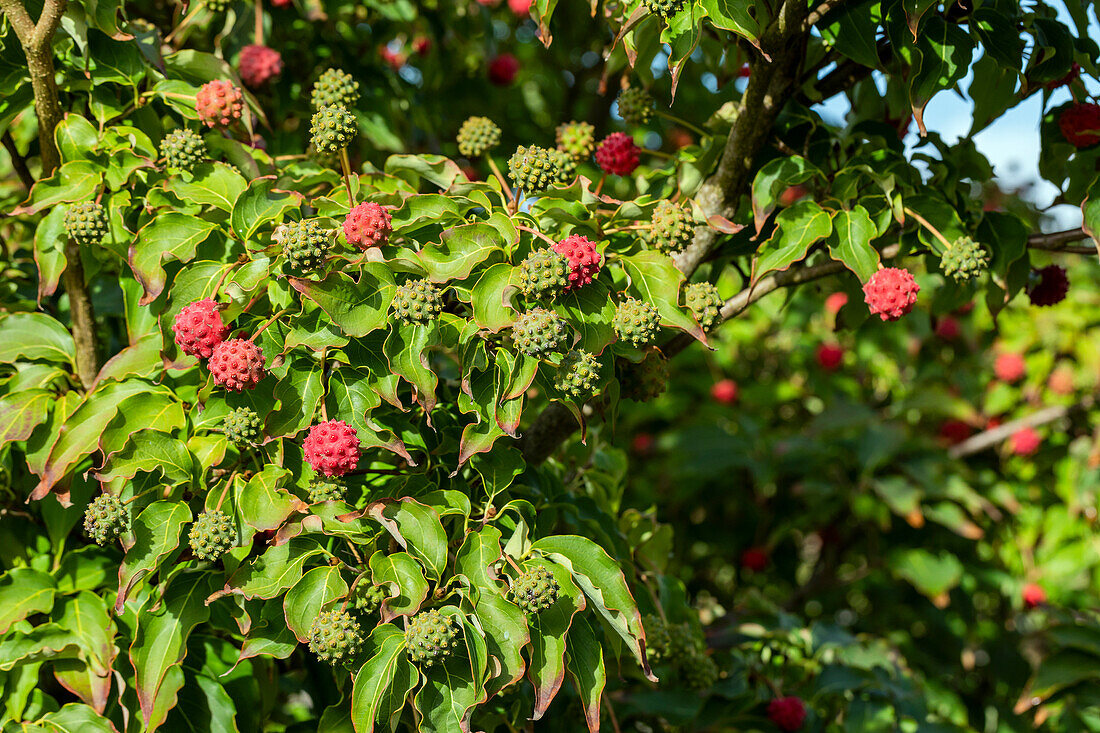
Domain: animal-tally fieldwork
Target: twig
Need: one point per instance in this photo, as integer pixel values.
(1059, 242)
(228, 483)
(259, 30)
(503, 181)
(18, 162)
(268, 322)
(995, 436)
(345, 163)
(682, 122)
(537, 233)
(927, 225)
(818, 13)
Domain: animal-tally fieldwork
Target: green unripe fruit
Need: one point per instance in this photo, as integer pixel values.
(646, 380)
(183, 150)
(417, 301)
(539, 332)
(964, 260)
(86, 223)
(212, 535)
(477, 135)
(704, 302)
(544, 274)
(105, 519)
(685, 643)
(700, 672)
(243, 426)
(636, 322)
(565, 166)
(305, 244)
(635, 106)
(323, 159)
(368, 598)
(431, 637)
(326, 489)
(658, 640)
(532, 169)
(335, 87)
(333, 128)
(335, 637)
(535, 590)
(664, 8)
(672, 229)
(217, 6)
(577, 375)
(577, 140)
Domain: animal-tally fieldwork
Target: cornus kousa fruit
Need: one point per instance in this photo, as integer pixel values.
(664, 8)
(539, 332)
(242, 426)
(219, 103)
(890, 293)
(1034, 595)
(565, 167)
(788, 713)
(1061, 381)
(367, 598)
(332, 128)
(657, 638)
(964, 260)
(754, 559)
(417, 301)
(576, 139)
(335, 637)
(532, 169)
(535, 590)
(1080, 124)
(259, 65)
(830, 356)
(617, 154)
(1050, 286)
(305, 244)
(368, 225)
(577, 374)
(724, 391)
(835, 302)
(503, 69)
(1009, 367)
(543, 275)
(705, 303)
(324, 488)
(647, 380)
(685, 643)
(1071, 76)
(86, 223)
(431, 637)
(183, 150)
(947, 328)
(237, 364)
(584, 260)
(198, 328)
(217, 6)
(1025, 441)
(105, 519)
(521, 8)
(212, 535)
(636, 321)
(335, 87)
(671, 229)
(953, 432)
(635, 105)
(701, 673)
(332, 448)
(477, 136)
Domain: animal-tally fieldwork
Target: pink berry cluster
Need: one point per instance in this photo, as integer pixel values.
(617, 154)
(259, 65)
(219, 103)
(1080, 124)
(787, 713)
(891, 293)
(368, 225)
(584, 260)
(332, 448)
(235, 364)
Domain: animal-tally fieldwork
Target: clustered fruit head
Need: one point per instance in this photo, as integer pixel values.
(199, 328)
(212, 535)
(259, 65)
(681, 646)
(333, 128)
(636, 321)
(664, 8)
(1025, 441)
(835, 302)
(577, 374)
(503, 69)
(647, 380)
(1009, 367)
(964, 260)
(532, 169)
(1051, 286)
(368, 225)
(754, 559)
(829, 356)
(304, 243)
(219, 103)
(1034, 595)
(105, 519)
(332, 448)
(705, 303)
(565, 167)
(324, 488)
(544, 275)
(635, 106)
(576, 139)
(183, 149)
(535, 590)
(658, 640)
(478, 135)
(86, 223)
(539, 332)
(243, 426)
(335, 637)
(217, 6)
(584, 260)
(335, 87)
(617, 154)
(417, 301)
(367, 598)
(672, 228)
(725, 391)
(431, 637)
(237, 364)
(788, 713)
(891, 293)
(702, 673)
(1080, 124)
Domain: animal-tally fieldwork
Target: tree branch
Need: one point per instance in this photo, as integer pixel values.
(1059, 242)
(18, 162)
(997, 435)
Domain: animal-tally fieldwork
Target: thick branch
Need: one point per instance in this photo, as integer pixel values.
(1060, 241)
(997, 435)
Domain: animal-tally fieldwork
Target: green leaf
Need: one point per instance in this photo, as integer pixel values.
(797, 228)
(931, 574)
(48, 641)
(735, 16)
(460, 250)
(211, 184)
(269, 637)
(450, 693)
(356, 307)
(49, 250)
(944, 55)
(548, 634)
(156, 533)
(24, 591)
(150, 451)
(76, 137)
(85, 617)
(1090, 213)
(775, 177)
(297, 394)
(259, 204)
(75, 717)
(172, 236)
(273, 572)
(383, 683)
(308, 597)
(264, 506)
(491, 310)
(417, 529)
(591, 310)
(850, 242)
(656, 280)
(436, 169)
(75, 181)
(584, 662)
(35, 336)
(406, 349)
(853, 30)
(22, 412)
(401, 569)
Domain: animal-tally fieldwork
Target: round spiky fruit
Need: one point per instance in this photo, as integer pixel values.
(237, 364)
(183, 150)
(701, 672)
(105, 519)
(576, 139)
(704, 302)
(305, 243)
(636, 321)
(259, 65)
(685, 643)
(368, 225)
(332, 448)
(1051, 286)
(891, 293)
(671, 229)
(539, 332)
(243, 426)
(199, 328)
(532, 169)
(964, 260)
(535, 590)
(635, 106)
(646, 380)
(1080, 124)
(333, 128)
(544, 274)
(417, 301)
(617, 154)
(86, 223)
(335, 87)
(324, 488)
(664, 8)
(217, 6)
(219, 103)
(335, 637)
(478, 135)
(658, 640)
(212, 535)
(787, 713)
(368, 598)
(430, 637)
(584, 260)
(565, 167)
(577, 375)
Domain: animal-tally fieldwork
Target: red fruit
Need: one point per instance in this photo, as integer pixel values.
(584, 260)
(745, 71)
(1080, 124)
(788, 713)
(891, 293)
(830, 356)
(258, 65)
(219, 103)
(791, 194)
(1061, 381)
(521, 8)
(835, 302)
(725, 391)
(947, 328)
(1009, 367)
(282, 3)
(1025, 441)
(199, 328)
(617, 154)
(1034, 595)
(237, 364)
(1074, 73)
(1051, 288)
(368, 225)
(422, 45)
(954, 432)
(395, 59)
(332, 448)
(503, 69)
(642, 444)
(754, 559)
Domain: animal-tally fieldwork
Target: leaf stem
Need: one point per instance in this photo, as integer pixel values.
(346, 165)
(228, 483)
(537, 233)
(927, 225)
(268, 322)
(503, 181)
(681, 121)
(259, 31)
